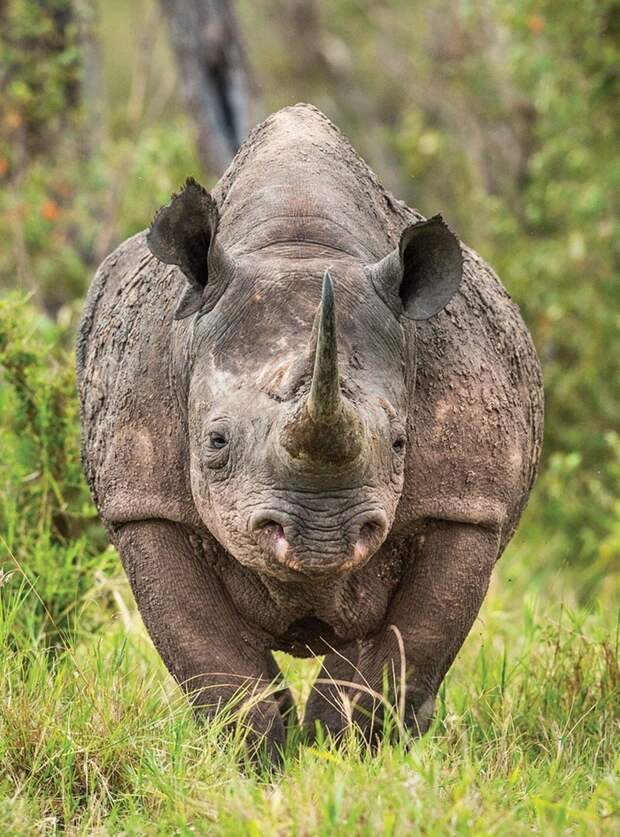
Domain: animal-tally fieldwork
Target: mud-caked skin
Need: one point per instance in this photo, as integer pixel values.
(311, 420)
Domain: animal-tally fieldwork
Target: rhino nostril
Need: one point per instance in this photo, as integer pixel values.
(272, 528)
(373, 528)
(270, 534)
(262, 521)
(369, 531)
(370, 536)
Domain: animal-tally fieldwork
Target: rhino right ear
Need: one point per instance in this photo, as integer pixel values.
(420, 277)
(183, 233)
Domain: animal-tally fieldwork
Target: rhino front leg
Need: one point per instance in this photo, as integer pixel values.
(205, 645)
(436, 604)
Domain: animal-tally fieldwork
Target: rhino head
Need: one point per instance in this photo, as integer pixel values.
(299, 380)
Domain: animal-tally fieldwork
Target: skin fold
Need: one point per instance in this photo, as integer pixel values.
(311, 420)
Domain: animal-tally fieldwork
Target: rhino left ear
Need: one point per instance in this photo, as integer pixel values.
(183, 233)
(423, 273)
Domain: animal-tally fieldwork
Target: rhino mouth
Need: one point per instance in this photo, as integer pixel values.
(318, 552)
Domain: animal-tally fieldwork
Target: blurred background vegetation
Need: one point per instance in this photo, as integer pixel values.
(501, 114)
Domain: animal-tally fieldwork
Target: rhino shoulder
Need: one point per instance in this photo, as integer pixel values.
(110, 273)
(477, 419)
(134, 434)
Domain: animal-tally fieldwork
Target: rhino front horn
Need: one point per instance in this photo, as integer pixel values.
(324, 400)
(326, 428)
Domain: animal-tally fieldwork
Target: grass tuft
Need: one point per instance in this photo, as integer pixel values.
(94, 737)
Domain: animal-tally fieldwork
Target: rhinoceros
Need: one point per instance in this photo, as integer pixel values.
(311, 419)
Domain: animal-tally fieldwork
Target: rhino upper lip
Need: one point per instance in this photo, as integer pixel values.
(271, 534)
(269, 531)
(286, 558)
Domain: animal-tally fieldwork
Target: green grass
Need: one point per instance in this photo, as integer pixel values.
(95, 738)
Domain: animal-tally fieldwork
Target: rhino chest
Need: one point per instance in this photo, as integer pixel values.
(306, 619)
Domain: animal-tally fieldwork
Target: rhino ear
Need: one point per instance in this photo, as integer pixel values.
(183, 233)
(423, 273)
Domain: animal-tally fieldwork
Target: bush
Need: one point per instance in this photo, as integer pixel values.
(48, 524)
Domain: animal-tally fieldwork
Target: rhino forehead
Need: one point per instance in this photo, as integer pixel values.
(259, 334)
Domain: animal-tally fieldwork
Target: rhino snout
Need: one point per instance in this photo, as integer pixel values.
(316, 548)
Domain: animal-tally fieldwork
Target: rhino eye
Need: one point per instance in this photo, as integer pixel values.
(217, 440)
(399, 444)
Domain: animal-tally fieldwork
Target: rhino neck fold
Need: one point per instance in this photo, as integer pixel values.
(292, 220)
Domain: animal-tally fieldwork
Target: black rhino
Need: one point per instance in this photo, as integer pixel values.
(311, 420)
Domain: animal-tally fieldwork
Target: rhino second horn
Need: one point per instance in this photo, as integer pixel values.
(324, 400)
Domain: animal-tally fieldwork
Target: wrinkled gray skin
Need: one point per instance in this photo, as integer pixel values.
(289, 460)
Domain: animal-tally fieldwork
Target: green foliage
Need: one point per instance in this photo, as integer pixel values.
(70, 190)
(63, 219)
(47, 523)
(558, 253)
(566, 276)
(574, 520)
(41, 67)
(42, 145)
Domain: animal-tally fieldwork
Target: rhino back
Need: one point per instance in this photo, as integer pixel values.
(298, 179)
(134, 438)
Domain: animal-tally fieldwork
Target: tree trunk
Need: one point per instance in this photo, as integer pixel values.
(215, 76)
